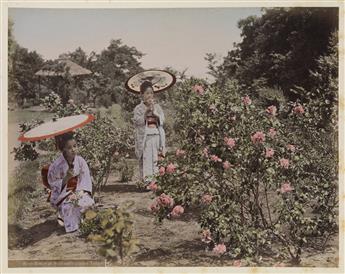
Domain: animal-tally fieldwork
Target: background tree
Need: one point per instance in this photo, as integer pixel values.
(279, 48)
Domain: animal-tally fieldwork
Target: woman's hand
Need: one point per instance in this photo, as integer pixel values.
(69, 174)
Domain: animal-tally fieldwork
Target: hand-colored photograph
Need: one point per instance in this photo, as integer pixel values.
(173, 137)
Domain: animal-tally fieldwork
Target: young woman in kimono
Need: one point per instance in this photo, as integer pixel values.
(70, 204)
(149, 133)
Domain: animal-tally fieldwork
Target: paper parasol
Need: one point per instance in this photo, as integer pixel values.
(57, 127)
(160, 80)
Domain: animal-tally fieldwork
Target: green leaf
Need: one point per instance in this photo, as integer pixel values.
(90, 214)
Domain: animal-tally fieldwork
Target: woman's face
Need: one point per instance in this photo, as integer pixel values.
(70, 149)
(148, 96)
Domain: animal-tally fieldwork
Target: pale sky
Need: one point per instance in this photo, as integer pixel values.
(179, 38)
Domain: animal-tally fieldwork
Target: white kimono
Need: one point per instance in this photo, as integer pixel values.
(148, 141)
(69, 210)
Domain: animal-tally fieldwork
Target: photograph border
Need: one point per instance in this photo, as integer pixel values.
(6, 5)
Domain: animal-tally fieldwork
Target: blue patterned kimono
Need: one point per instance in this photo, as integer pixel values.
(148, 141)
(70, 209)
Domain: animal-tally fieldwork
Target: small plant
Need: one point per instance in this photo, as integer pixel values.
(113, 227)
(126, 171)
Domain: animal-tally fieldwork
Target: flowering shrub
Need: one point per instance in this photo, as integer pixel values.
(255, 172)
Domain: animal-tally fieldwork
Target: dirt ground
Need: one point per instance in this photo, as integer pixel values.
(172, 243)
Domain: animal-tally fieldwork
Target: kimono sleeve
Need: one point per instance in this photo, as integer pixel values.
(84, 182)
(139, 117)
(55, 182)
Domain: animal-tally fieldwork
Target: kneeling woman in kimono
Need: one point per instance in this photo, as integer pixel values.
(70, 204)
(149, 133)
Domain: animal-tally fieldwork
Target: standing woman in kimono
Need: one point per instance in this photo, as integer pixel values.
(149, 132)
(70, 203)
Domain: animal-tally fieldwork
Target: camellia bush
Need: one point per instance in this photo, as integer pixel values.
(264, 178)
(100, 143)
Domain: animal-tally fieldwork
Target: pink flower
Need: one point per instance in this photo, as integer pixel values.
(284, 163)
(272, 132)
(206, 236)
(153, 186)
(165, 200)
(258, 137)
(215, 158)
(272, 110)
(298, 109)
(237, 263)
(71, 101)
(198, 89)
(219, 249)
(233, 118)
(180, 152)
(290, 147)
(170, 168)
(230, 142)
(246, 100)
(269, 152)
(161, 170)
(227, 165)
(154, 207)
(205, 152)
(213, 108)
(177, 211)
(206, 199)
(286, 187)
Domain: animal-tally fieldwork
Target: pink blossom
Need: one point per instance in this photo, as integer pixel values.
(198, 89)
(161, 170)
(233, 118)
(219, 249)
(71, 101)
(177, 211)
(284, 163)
(227, 165)
(206, 199)
(152, 186)
(180, 152)
(272, 132)
(170, 168)
(165, 200)
(154, 207)
(205, 152)
(269, 152)
(286, 187)
(213, 108)
(290, 147)
(230, 142)
(258, 137)
(206, 236)
(272, 110)
(298, 109)
(246, 100)
(237, 263)
(215, 158)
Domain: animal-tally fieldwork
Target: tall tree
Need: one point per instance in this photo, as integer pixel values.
(279, 48)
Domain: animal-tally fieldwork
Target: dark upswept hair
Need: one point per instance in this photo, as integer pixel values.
(144, 85)
(62, 139)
